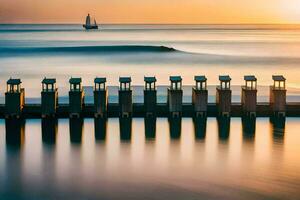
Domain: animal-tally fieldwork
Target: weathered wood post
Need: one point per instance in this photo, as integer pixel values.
(125, 97)
(175, 97)
(14, 98)
(76, 98)
(49, 96)
(223, 96)
(278, 96)
(200, 96)
(100, 98)
(249, 96)
(150, 96)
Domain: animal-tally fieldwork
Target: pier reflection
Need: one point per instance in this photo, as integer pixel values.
(175, 127)
(76, 128)
(200, 127)
(125, 128)
(49, 130)
(100, 125)
(249, 127)
(223, 127)
(278, 128)
(15, 132)
(150, 127)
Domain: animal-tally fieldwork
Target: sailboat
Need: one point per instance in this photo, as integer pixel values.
(88, 24)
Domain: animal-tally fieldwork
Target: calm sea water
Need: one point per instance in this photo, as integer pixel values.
(32, 52)
(260, 163)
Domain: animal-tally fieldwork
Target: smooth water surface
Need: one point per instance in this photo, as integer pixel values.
(259, 162)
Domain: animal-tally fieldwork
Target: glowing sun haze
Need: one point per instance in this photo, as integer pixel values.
(151, 11)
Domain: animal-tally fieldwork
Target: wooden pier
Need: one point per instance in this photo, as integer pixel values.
(15, 107)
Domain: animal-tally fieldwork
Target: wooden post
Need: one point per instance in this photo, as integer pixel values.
(278, 96)
(200, 96)
(249, 96)
(100, 98)
(76, 98)
(175, 97)
(49, 97)
(150, 95)
(14, 98)
(125, 97)
(223, 96)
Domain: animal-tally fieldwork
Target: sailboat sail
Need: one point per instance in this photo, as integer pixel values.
(88, 20)
(95, 23)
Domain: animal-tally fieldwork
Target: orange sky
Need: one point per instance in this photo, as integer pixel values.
(151, 11)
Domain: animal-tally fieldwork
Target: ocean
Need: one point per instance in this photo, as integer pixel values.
(260, 163)
(32, 52)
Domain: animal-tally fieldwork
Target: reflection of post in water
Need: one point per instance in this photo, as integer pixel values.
(175, 127)
(223, 126)
(249, 125)
(49, 130)
(15, 132)
(278, 127)
(150, 127)
(76, 127)
(125, 128)
(200, 127)
(100, 128)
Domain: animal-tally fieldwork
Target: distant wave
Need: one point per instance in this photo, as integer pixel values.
(148, 54)
(86, 49)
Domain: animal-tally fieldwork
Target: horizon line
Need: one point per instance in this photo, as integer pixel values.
(66, 23)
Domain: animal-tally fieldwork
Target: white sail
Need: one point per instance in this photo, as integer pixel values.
(88, 20)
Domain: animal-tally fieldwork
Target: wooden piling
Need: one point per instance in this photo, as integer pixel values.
(14, 98)
(223, 96)
(150, 95)
(49, 98)
(76, 98)
(278, 96)
(100, 98)
(125, 97)
(175, 94)
(200, 96)
(249, 96)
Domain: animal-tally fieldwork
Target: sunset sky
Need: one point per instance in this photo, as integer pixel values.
(151, 11)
